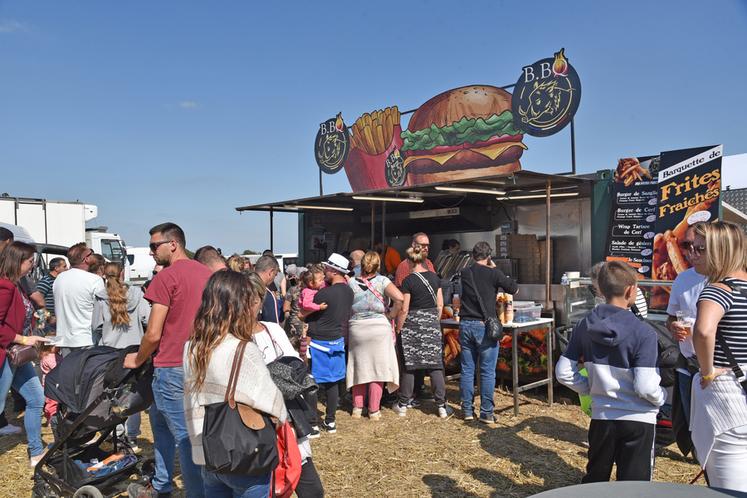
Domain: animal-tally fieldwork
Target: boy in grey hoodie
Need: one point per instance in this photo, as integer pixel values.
(619, 351)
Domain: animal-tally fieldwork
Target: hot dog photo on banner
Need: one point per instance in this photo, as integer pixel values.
(689, 185)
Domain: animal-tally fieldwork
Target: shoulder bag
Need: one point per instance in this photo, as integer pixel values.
(237, 439)
(493, 326)
(428, 286)
(386, 306)
(741, 378)
(20, 354)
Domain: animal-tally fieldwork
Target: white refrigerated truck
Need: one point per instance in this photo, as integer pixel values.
(63, 224)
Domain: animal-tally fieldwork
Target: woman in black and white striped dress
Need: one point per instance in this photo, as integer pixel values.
(719, 406)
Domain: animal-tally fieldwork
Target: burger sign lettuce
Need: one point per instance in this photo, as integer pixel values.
(468, 132)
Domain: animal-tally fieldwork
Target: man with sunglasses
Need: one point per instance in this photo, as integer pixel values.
(176, 294)
(683, 299)
(405, 267)
(75, 292)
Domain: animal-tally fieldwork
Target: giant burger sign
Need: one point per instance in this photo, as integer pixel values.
(467, 132)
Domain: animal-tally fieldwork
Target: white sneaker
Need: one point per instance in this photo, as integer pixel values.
(10, 430)
(34, 461)
(445, 411)
(399, 409)
(357, 413)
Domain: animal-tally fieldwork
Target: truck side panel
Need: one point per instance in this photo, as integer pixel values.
(7, 211)
(66, 223)
(31, 217)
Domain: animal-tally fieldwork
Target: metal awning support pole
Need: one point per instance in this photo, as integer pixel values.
(272, 227)
(373, 223)
(548, 289)
(573, 148)
(383, 223)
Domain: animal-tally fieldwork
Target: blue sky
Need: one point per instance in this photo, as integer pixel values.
(181, 111)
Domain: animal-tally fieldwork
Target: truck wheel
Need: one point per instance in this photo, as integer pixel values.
(88, 492)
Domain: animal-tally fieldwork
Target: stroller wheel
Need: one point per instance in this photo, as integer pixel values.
(42, 490)
(88, 492)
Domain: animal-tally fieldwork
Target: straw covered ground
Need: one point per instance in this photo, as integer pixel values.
(421, 455)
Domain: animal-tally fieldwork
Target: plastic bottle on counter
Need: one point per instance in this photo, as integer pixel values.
(500, 307)
(509, 303)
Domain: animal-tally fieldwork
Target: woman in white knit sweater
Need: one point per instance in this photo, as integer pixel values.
(273, 343)
(224, 320)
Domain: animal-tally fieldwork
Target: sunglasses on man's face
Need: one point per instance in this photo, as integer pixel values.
(155, 245)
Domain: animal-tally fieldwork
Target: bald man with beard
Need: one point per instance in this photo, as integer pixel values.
(356, 257)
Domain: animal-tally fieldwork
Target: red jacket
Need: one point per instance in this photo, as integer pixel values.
(12, 315)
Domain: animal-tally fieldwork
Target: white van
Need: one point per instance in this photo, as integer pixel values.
(141, 264)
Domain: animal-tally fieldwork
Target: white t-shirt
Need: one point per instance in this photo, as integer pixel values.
(686, 289)
(276, 346)
(75, 293)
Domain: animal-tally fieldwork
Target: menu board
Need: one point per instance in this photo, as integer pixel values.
(634, 212)
(689, 186)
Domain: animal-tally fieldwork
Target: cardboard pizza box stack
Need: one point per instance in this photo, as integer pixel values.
(523, 248)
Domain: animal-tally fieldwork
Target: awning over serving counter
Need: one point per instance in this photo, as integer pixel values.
(465, 204)
(519, 187)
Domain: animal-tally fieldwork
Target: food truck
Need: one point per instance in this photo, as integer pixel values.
(454, 173)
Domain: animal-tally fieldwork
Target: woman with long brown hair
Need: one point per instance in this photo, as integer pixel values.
(16, 316)
(273, 343)
(119, 321)
(224, 320)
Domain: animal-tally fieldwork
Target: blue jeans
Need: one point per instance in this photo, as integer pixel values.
(132, 425)
(477, 347)
(685, 384)
(170, 433)
(235, 486)
(27, 383)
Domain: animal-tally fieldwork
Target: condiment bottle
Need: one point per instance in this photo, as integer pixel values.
(500, 307)
(509, 307)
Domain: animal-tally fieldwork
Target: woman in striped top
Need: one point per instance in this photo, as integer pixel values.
(719, 407)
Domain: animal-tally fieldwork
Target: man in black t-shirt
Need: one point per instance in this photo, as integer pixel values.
(326, 332)
(484, 279)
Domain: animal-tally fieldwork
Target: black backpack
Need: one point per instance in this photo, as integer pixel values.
(668, 350)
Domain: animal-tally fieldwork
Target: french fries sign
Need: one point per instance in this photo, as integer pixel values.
(655, 200)
(689, 185)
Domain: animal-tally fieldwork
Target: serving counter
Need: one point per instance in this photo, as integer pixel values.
(515, 330)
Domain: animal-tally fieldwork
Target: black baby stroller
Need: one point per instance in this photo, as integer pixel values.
(95, 395)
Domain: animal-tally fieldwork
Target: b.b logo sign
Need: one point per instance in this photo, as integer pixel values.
(546, 96)
(332, 145)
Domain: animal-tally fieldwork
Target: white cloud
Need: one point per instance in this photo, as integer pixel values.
(12, 26)
(189, 104)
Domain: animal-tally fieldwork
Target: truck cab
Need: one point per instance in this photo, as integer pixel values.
(109, 245)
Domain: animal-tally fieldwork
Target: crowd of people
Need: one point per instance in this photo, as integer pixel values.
(367, 326)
